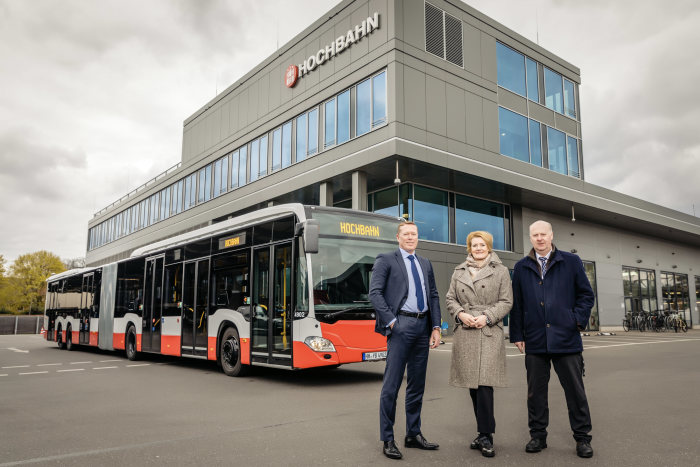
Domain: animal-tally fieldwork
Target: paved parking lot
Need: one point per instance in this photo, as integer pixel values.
(96, 408)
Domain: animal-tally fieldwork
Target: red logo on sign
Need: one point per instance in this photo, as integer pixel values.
(291, 75)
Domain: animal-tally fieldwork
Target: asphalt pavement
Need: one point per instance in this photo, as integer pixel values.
(88, 407)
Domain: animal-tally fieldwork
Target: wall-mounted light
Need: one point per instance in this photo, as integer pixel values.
(639, 261)
(573, 217)
(674, 266)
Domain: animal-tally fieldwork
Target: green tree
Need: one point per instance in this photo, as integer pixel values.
(30, 272)
(2, 267)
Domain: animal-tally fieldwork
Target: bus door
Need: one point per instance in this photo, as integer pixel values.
(87, 297)
(272, 304)
(195, 302)
(152, 305)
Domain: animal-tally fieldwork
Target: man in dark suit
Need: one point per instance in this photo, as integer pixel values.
(552, 301)
(406, 301)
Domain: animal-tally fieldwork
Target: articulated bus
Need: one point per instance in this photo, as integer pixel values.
(285, 286)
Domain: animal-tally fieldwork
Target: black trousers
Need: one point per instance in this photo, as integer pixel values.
(482, 399)
(569, 368)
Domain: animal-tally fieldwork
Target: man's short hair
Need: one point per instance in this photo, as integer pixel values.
(544, 222)
(403, 224)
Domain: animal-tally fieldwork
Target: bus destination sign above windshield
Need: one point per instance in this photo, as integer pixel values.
(230, 242)
(360, 230)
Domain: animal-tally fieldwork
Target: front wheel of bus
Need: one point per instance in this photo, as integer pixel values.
(230, 354)
(131, 343)
(69, 339)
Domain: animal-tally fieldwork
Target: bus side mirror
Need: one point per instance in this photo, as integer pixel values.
(309, 230)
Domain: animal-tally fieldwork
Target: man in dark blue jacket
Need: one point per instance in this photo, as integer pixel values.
(407, 304)
(552, 301)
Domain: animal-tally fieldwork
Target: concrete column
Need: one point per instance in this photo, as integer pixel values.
(325, 194)
(359, 191)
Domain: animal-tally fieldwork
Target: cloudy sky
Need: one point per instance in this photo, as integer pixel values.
(93, 94)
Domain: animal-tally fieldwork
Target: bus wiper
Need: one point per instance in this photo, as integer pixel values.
(345, 310)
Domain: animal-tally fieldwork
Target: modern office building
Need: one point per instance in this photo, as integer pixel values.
(427, 110)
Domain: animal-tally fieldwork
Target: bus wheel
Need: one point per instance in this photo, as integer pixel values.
(131, 343)
(69, 339)
(230, 354)
(59, 339)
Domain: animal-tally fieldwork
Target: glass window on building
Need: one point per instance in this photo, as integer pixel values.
(675, 295)
(177, 197)
(513, 132)
(535, 143)
(165, 203)
(553, 93)
(639, 288)
(287, 144)
(556, 150)
(204, 186)
(277, 149)
(135, 218)
(254, 159)
(431, 213)
(343, 120)
(312, 145)
(532, 86)
(572, 156)
(221, 176)
(697, 293)
(392, 202)
(511, 69)
(190, 190)
(379, 99)
(363, 112)
(153, 202)
(301, 137)
(235, 162)
(569, 99)
(329, 127)
(243, 161)
(593, 323)
(262, 164)
(478, 214)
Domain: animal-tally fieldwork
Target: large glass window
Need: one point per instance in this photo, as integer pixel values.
(477, 214)
(675, 295)
(177, 197)
(221, 176)
(553, 90)
(262, 166)
(343, 116)
(593, 322)
(535, 143)
(431, 213)
(312, 145)
(165, 203)
(639, 288)
(363, 112)
(235, 158)
(556, 150)
(277, 149)
(204, 193)
(532, 86)
(569, 99)
(153, 201)
(379, 99)
(190, 191)
(392, 201)
(135, 218)
(511, 69)
(513, 135)
(301, 137)
(572, 156)
(254, 159)
(287, 144)
(329, 127)
(242, 162)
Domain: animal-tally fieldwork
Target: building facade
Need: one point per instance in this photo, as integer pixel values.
(427, 110)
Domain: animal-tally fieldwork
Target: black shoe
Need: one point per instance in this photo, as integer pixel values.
(419, 442)
(391, 451)
(475, 444)
(486, 444)
(536, 445)
(584, 449)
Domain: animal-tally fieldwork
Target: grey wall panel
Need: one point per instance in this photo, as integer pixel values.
(414, 24)
(491, 138)
(541, 113)
(381, 35)
(327, 69)
(414, 97)
(475, 120)
(242, 109)
(361, 47)
(456, 113)
(341, 28)
(471, 46)
(566, 124)
(489, 63)
(436, 105)
(263, 95)
(274, 88)
(234, 115)
(512, 101)
(253, 103)
(226, 119)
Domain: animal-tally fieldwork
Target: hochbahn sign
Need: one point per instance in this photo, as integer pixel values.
(324, 54)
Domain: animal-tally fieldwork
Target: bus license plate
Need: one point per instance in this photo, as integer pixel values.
(369, 356)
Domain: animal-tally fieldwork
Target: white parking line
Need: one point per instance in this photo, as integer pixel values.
(105, 361)
(16, 366)
(73, 369)
(4, 374)
(34, 373)
(79, 363)
(50, 364)
(639, 343)
(139, 364)
(104, 367)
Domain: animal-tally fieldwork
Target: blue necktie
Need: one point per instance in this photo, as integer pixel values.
(416, 281)
(543, 260)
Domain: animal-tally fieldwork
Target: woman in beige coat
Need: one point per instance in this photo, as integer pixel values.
(480, 296)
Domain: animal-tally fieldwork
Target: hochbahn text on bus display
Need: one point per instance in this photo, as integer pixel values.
(285, 286)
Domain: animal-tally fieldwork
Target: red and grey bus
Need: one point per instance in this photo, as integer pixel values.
(286, 286)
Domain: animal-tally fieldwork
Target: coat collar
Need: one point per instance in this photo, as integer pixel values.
(466, 278)
(553, 258)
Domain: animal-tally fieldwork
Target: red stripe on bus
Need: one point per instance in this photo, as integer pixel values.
(170, 345)
(138, 342)
(304, 357)
(93, 338)
(211, 349)
(118, 341)
(245, 351)
(352, 338)
(75, 336)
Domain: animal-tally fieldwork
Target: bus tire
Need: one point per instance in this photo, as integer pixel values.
(59, 339)
(130, 343)
(230, 354)
(69, 339)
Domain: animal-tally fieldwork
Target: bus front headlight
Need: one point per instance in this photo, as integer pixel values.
(319, 344)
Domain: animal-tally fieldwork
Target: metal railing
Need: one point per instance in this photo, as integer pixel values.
(21, 324)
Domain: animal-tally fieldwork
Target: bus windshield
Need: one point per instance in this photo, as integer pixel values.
(342, 267)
